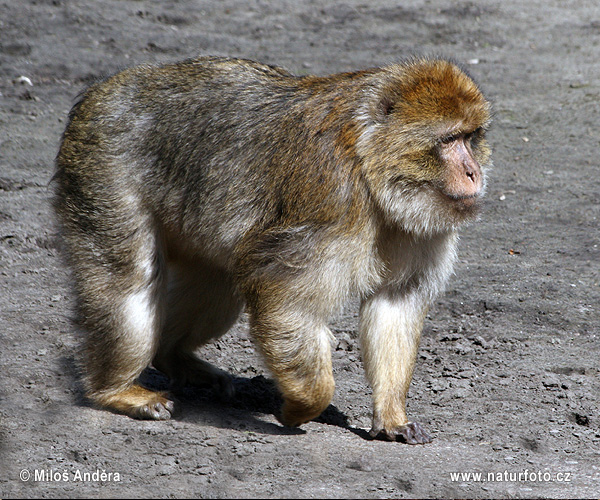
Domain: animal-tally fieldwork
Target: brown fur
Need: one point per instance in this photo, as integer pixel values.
(189, 190)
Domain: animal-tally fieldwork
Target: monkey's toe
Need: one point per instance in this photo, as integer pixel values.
(410, 433)
(186, 368)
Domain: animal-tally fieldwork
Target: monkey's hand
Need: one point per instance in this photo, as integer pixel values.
(410, 433)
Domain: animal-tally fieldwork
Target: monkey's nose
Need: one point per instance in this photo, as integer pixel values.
(473, 183)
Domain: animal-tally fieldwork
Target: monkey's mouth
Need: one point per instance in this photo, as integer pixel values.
(466, 198)
(466, 203)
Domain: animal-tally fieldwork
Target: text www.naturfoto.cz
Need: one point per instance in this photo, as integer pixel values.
(507, 476)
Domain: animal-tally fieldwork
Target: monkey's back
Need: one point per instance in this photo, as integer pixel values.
(215, 148)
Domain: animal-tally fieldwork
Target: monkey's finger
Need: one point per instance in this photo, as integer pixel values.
(413, 433)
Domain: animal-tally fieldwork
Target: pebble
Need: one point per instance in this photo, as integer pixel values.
(23, 80)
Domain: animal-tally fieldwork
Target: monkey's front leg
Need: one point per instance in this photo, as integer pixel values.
(297, 350)
(390, 330)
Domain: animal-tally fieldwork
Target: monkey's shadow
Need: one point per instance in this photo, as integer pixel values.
(253, 396)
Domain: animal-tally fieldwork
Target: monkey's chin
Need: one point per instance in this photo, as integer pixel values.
(460, 210)
(428, 211)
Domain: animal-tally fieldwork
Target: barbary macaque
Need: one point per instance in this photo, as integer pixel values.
(187, 192)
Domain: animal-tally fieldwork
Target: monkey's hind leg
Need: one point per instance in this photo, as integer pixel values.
(202, 305)
(119, 279)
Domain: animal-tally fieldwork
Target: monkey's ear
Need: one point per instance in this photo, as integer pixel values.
(385, 108)
(384, 105)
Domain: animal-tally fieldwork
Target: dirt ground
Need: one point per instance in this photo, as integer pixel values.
(508, 375)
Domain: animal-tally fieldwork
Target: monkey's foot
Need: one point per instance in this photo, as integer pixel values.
(138, 402)
(210, 376)
(187, 368)
(410, 433)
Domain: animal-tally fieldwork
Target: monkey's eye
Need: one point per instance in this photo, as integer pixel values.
(476, 134)
(449, 139)
(473, 136)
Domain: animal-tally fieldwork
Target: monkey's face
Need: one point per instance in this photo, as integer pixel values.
(460, 177)
(424, 150)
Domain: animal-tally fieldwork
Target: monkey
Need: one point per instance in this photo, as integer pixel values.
(188, 192)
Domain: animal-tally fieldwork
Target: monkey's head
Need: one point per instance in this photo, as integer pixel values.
(423, 145)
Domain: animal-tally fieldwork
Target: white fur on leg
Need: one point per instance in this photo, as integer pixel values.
(141, 324)
(390, 329)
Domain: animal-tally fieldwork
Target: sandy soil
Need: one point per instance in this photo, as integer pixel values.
(508, 376)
